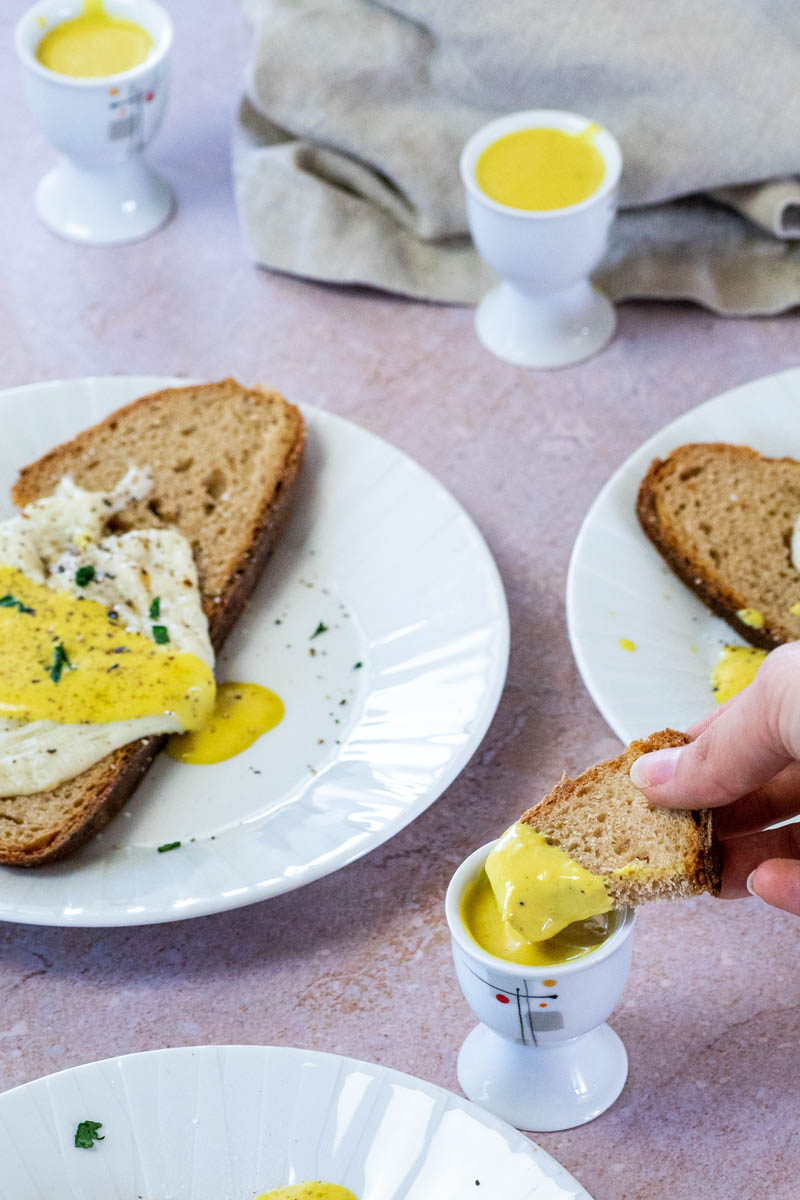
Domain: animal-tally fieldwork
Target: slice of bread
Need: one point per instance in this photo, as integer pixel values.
(224, 459)
(723, 516)
(607, 826)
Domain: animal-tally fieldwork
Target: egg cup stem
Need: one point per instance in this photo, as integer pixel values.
(543, 1088)
(545, 331)
(106, 205)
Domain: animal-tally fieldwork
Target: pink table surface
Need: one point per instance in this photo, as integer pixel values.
(359, 963)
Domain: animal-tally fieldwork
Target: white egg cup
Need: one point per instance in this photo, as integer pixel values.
(102, 192)
(542, 1057)
(546, 312)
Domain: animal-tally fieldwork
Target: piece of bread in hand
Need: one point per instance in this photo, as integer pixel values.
(723, 517)
(224, 459)
(607, 826)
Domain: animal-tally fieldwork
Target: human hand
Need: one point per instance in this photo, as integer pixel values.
(745, 761)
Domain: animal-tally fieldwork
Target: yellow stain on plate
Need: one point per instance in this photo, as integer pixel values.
(735, 670)
(313, 1190)
(242, 713)
(627, 644)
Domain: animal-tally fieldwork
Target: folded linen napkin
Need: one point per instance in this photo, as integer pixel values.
(355, 112)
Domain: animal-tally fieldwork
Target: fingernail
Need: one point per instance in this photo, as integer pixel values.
(653, 769)
(749, 883)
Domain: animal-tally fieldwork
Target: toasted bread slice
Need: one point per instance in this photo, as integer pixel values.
(722, 516)
(607, 826)
(224, 459)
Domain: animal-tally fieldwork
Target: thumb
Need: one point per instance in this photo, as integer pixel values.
(749, 743)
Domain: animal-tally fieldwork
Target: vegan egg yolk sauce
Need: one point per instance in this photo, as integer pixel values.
(82, 669)
(541, 169)
(242, 712)
(313, 1190)
(533, 904)
(80, 666)
(91, 659)
(94, 44)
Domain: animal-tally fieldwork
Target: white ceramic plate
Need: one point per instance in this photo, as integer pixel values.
(619, 587)
(382, 555)
(228, 1122)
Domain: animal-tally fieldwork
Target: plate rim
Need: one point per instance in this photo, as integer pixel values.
(516, 1139)
(646, 448)
(254, 893)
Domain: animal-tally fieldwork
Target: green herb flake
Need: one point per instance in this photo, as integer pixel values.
(9, 601)
(155, 608)
(86, 1134)
(321, 628)
(84, 575)
(357, 666)
(160, 634)
(168, 846)
(60, 660)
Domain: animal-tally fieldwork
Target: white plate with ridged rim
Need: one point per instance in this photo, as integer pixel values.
(619, 587)
(383, 556)
(229, 1122)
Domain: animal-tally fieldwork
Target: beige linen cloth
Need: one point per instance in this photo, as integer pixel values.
(355, 112)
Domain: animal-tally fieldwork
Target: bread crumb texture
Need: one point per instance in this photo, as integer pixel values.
(605, 823)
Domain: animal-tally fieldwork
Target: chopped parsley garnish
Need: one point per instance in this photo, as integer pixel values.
(84, 575)
(9, 601)
(321, 628)
(60, 660)
(160, 634)
(155, 608)
(86, 1134)
(357, 666)
(168, 846)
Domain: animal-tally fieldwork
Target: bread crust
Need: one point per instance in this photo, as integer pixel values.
(722, 600)
(109, 783)
(705, 873)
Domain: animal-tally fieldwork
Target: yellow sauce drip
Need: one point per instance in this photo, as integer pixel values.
(541, 169)
(243, 711)
(94, 44)
(101, 673)
(314, 1190)
(481, 916)
(627, 644)
(752, 617)
(735, 670)
(539, 889)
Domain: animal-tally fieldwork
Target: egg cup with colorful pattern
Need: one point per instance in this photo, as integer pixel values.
(542, 1057)
(545, 312)
(102, 191)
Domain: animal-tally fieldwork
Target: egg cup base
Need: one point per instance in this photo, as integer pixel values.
(105, 206)
(547, 331)
(542, 1089)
